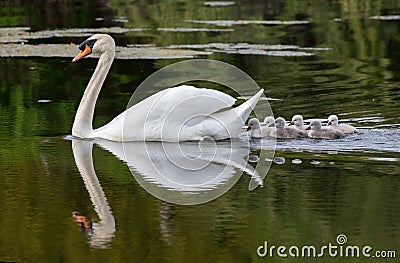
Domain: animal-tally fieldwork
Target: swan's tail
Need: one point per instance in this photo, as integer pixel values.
(231, 121)
(245, 108)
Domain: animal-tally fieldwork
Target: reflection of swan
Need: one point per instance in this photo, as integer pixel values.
(186, 172)
(103, 231)
(175, 114)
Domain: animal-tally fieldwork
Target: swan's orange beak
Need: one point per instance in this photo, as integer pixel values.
(83, 53)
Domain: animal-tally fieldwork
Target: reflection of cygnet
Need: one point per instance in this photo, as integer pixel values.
(286, 132)
(319, 132)
(297, 121)
(333, 122)
(256, 130)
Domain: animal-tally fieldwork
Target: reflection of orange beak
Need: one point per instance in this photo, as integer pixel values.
(82, 54)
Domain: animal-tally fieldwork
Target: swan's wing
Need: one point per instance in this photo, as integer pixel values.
(187, 104)
(228, 123)
(166, 110)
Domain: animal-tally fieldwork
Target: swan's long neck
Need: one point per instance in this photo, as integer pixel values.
(83, 123)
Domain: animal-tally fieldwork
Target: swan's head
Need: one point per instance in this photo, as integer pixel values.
(280, 123)
(333, 120)
(297, 120)
(269, 120)
(253, 124)
(314, 125)
(96, 44)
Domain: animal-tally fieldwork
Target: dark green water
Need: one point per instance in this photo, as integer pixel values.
(314, 191)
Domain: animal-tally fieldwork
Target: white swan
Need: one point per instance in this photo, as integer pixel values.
(319, 132)
(175, 114)
(333, 122)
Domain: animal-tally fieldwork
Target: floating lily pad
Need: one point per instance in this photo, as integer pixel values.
(247, 22)
(60, 50)
(252, 49)
(219, 3)
(22, 34)
(185, 29)
(388, 17)
(274, 53)
(235, 46)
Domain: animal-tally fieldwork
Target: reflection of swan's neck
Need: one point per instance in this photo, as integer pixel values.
(103, 230)
(82, 126)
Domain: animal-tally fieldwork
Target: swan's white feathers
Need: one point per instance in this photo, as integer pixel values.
(180, 113)
(188, 104)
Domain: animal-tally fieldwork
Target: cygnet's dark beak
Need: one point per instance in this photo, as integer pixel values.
(249, 128)
(271, 125)
(329, 123)
(308, 128)
(291, 123)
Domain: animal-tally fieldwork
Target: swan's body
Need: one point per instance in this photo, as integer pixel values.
(319, 132)
(285, 132)
(257, 130)
(297, 121)
(176, 114)
(333, 122)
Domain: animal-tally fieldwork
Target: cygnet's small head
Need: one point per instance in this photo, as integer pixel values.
(253, 124)
(333, 120)
(297, 120)
(315, 125)
(280, 123)
(96, 44)
(269, 120)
